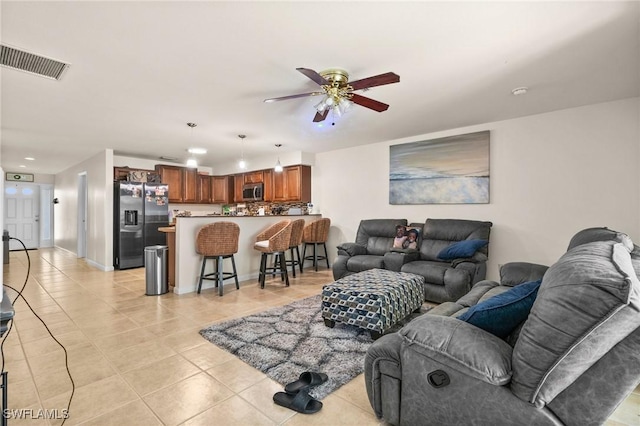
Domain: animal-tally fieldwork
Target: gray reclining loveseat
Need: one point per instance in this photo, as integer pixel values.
(572, 361)
(445, 280)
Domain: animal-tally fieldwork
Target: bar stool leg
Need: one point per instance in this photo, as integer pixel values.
(326, 256)
(219, 266)
(293, 262)
(300, 262)
(283, 269)
(235, 272)
(315, 256)
(263, 265)
(304, 252)
(204, 262)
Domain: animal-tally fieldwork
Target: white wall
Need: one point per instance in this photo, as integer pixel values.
(552, 175)
(146, 164)
(290, 158)
(99, 170)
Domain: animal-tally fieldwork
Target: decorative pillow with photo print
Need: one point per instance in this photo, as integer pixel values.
(407, 237)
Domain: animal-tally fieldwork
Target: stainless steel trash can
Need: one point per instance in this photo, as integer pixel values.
(5, 246)
(155, 265)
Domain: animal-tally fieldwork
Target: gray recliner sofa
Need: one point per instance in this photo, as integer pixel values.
(572, 361)
(374, 239)
(445, 280)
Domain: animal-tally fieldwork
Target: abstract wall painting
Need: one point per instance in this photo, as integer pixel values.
(451, 170)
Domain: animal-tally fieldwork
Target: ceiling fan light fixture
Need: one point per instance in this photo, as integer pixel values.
(322, 105)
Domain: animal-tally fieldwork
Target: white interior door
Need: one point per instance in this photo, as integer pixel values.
(22, 214)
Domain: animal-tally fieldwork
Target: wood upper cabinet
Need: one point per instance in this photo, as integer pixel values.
(279, 186)
(174, 177)
(238, 183)
(268, 184)
(182, 183)
(190, 185)
(292, 184)
(203, 189)
(222, 189)
(254, 177)
(298, 183)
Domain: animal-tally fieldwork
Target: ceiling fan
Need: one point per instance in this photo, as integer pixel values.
(338, 91)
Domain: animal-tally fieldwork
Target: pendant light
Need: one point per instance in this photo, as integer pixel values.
(191, 162)
(278, 167)
(242, 164)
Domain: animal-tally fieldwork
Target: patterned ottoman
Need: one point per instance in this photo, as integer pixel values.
(374, 300)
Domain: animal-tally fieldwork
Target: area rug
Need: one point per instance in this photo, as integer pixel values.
(285, 341)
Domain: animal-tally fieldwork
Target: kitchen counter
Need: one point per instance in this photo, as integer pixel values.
(188, 262)
(171, 258)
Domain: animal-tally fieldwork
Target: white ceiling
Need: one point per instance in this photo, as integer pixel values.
(141, 70)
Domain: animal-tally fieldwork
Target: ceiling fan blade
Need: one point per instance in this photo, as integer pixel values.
(301, 95)
(320, 117)
(313, 76)
(376, 80)
(369, 103)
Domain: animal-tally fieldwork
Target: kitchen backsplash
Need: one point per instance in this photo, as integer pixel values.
(249, 209)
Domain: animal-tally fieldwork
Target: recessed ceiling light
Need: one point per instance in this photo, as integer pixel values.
(29, 158)
(22, 165)
(519, 91)
(197, 151)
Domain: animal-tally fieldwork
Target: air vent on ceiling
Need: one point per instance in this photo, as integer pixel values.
(19, 59)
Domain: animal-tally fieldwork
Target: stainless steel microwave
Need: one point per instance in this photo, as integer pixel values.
(253, 192)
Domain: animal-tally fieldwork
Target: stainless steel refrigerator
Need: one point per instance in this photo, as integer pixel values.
(139, 210)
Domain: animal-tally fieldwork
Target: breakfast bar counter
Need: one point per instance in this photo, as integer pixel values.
(188, 262)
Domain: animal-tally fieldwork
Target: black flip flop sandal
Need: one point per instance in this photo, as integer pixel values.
(300, 402)
(307, 379)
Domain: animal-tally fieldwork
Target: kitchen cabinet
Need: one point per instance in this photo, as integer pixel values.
(182, 183)
(254, 177)
(279, 189)
(268, 185)
(222, 189)
(292, 184)
(203, 189)
(238, 183)
(174, 177)
(190, 185)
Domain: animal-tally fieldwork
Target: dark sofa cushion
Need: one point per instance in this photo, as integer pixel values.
(364, 263)
(588, 302)
(501, 314)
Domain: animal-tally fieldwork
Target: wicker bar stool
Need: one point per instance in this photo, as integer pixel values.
(274, 241)
(315, 234)
(297, 227)
(218, 241)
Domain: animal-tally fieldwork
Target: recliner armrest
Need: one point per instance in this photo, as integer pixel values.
(394, 259)
(461, 346)
(515, 273)
(351, 249)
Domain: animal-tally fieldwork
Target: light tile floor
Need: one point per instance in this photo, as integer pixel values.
(139, 360)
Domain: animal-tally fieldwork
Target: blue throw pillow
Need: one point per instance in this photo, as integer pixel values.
(501, 314)
(461, 249)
